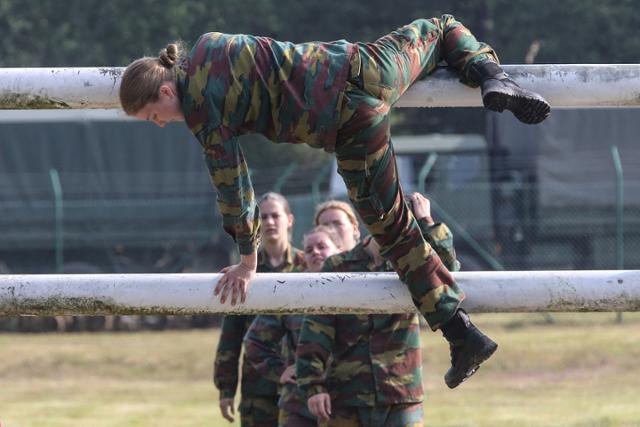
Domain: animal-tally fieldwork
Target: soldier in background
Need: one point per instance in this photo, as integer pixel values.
(375, 376)
(263, 342)
(259, 395)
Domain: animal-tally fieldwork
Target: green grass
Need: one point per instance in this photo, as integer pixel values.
(582, 370)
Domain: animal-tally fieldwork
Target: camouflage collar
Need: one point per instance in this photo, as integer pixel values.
(263, 259)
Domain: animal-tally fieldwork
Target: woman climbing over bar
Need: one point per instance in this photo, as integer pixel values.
(336, 96)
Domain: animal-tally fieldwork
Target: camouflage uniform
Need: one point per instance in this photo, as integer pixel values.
(335, 96)
(259, 401)
(375, 378)
(269, 357)
(405, 415)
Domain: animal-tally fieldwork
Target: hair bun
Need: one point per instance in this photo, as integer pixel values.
(169, 55)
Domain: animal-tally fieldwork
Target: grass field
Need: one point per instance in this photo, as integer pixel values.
(583, 370)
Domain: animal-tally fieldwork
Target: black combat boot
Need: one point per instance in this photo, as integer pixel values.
(500, 93)
(469, 348)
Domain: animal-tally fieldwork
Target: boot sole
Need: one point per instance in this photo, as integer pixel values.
(528, 108)
(479, 357)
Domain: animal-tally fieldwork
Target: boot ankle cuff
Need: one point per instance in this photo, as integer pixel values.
(481, 71)
(456, 327)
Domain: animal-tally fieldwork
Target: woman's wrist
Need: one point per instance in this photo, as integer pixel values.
(250, 261)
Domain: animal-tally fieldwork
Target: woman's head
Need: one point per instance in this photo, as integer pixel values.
(339, 215)
(148, 88)
(318, 244)
(276, 218)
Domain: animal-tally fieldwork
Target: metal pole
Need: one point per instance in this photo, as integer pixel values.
(496, 291)
(457, 229)
(619, 214)
(564, 85)
(619, 207)
(425, 170)
(58, 219)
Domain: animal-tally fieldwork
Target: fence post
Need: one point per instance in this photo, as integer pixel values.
(619, 214)
(58, 218)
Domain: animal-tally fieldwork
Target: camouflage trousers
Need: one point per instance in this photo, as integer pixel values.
(259, 412)
(293, 419)
(408, 415)
(380, 73)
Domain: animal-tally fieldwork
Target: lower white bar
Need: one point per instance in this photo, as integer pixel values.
(506, 291)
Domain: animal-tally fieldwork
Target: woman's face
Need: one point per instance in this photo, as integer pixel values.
(338, 219)
(166, 109)
(318, 247)
(276, 222)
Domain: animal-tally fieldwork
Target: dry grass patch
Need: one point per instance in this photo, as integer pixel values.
(580, 371)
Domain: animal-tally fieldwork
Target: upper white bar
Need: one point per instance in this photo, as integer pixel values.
(563, 85)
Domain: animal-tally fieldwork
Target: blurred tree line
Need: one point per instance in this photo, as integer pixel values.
(106, 33)
(111, 33)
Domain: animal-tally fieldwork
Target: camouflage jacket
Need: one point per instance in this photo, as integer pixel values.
(233, 84)
(270, 356)
(377, 358)
(225, 370)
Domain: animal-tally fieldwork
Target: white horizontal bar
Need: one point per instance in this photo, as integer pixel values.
(564, 85)
(51, 88)
(504, 291)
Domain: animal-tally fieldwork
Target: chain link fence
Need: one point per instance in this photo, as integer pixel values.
(537, 198)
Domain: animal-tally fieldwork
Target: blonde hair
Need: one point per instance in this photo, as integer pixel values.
(141, 80)
(336, 204)
(342, 206)
(329, 231)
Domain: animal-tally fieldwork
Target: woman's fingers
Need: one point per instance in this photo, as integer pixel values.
(235, 291)
(327, 407)
(320, 406)
(312, 409)
(222, 281)
(322, 413)
(234, 283)
(219, 286)
(244, 287)
(225, 291)
(226, 408)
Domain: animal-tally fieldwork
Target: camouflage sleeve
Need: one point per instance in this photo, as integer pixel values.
(331, 262)
(230, 176)
(263, 346)
(225, 368)
(315, 346)
(440, 238)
